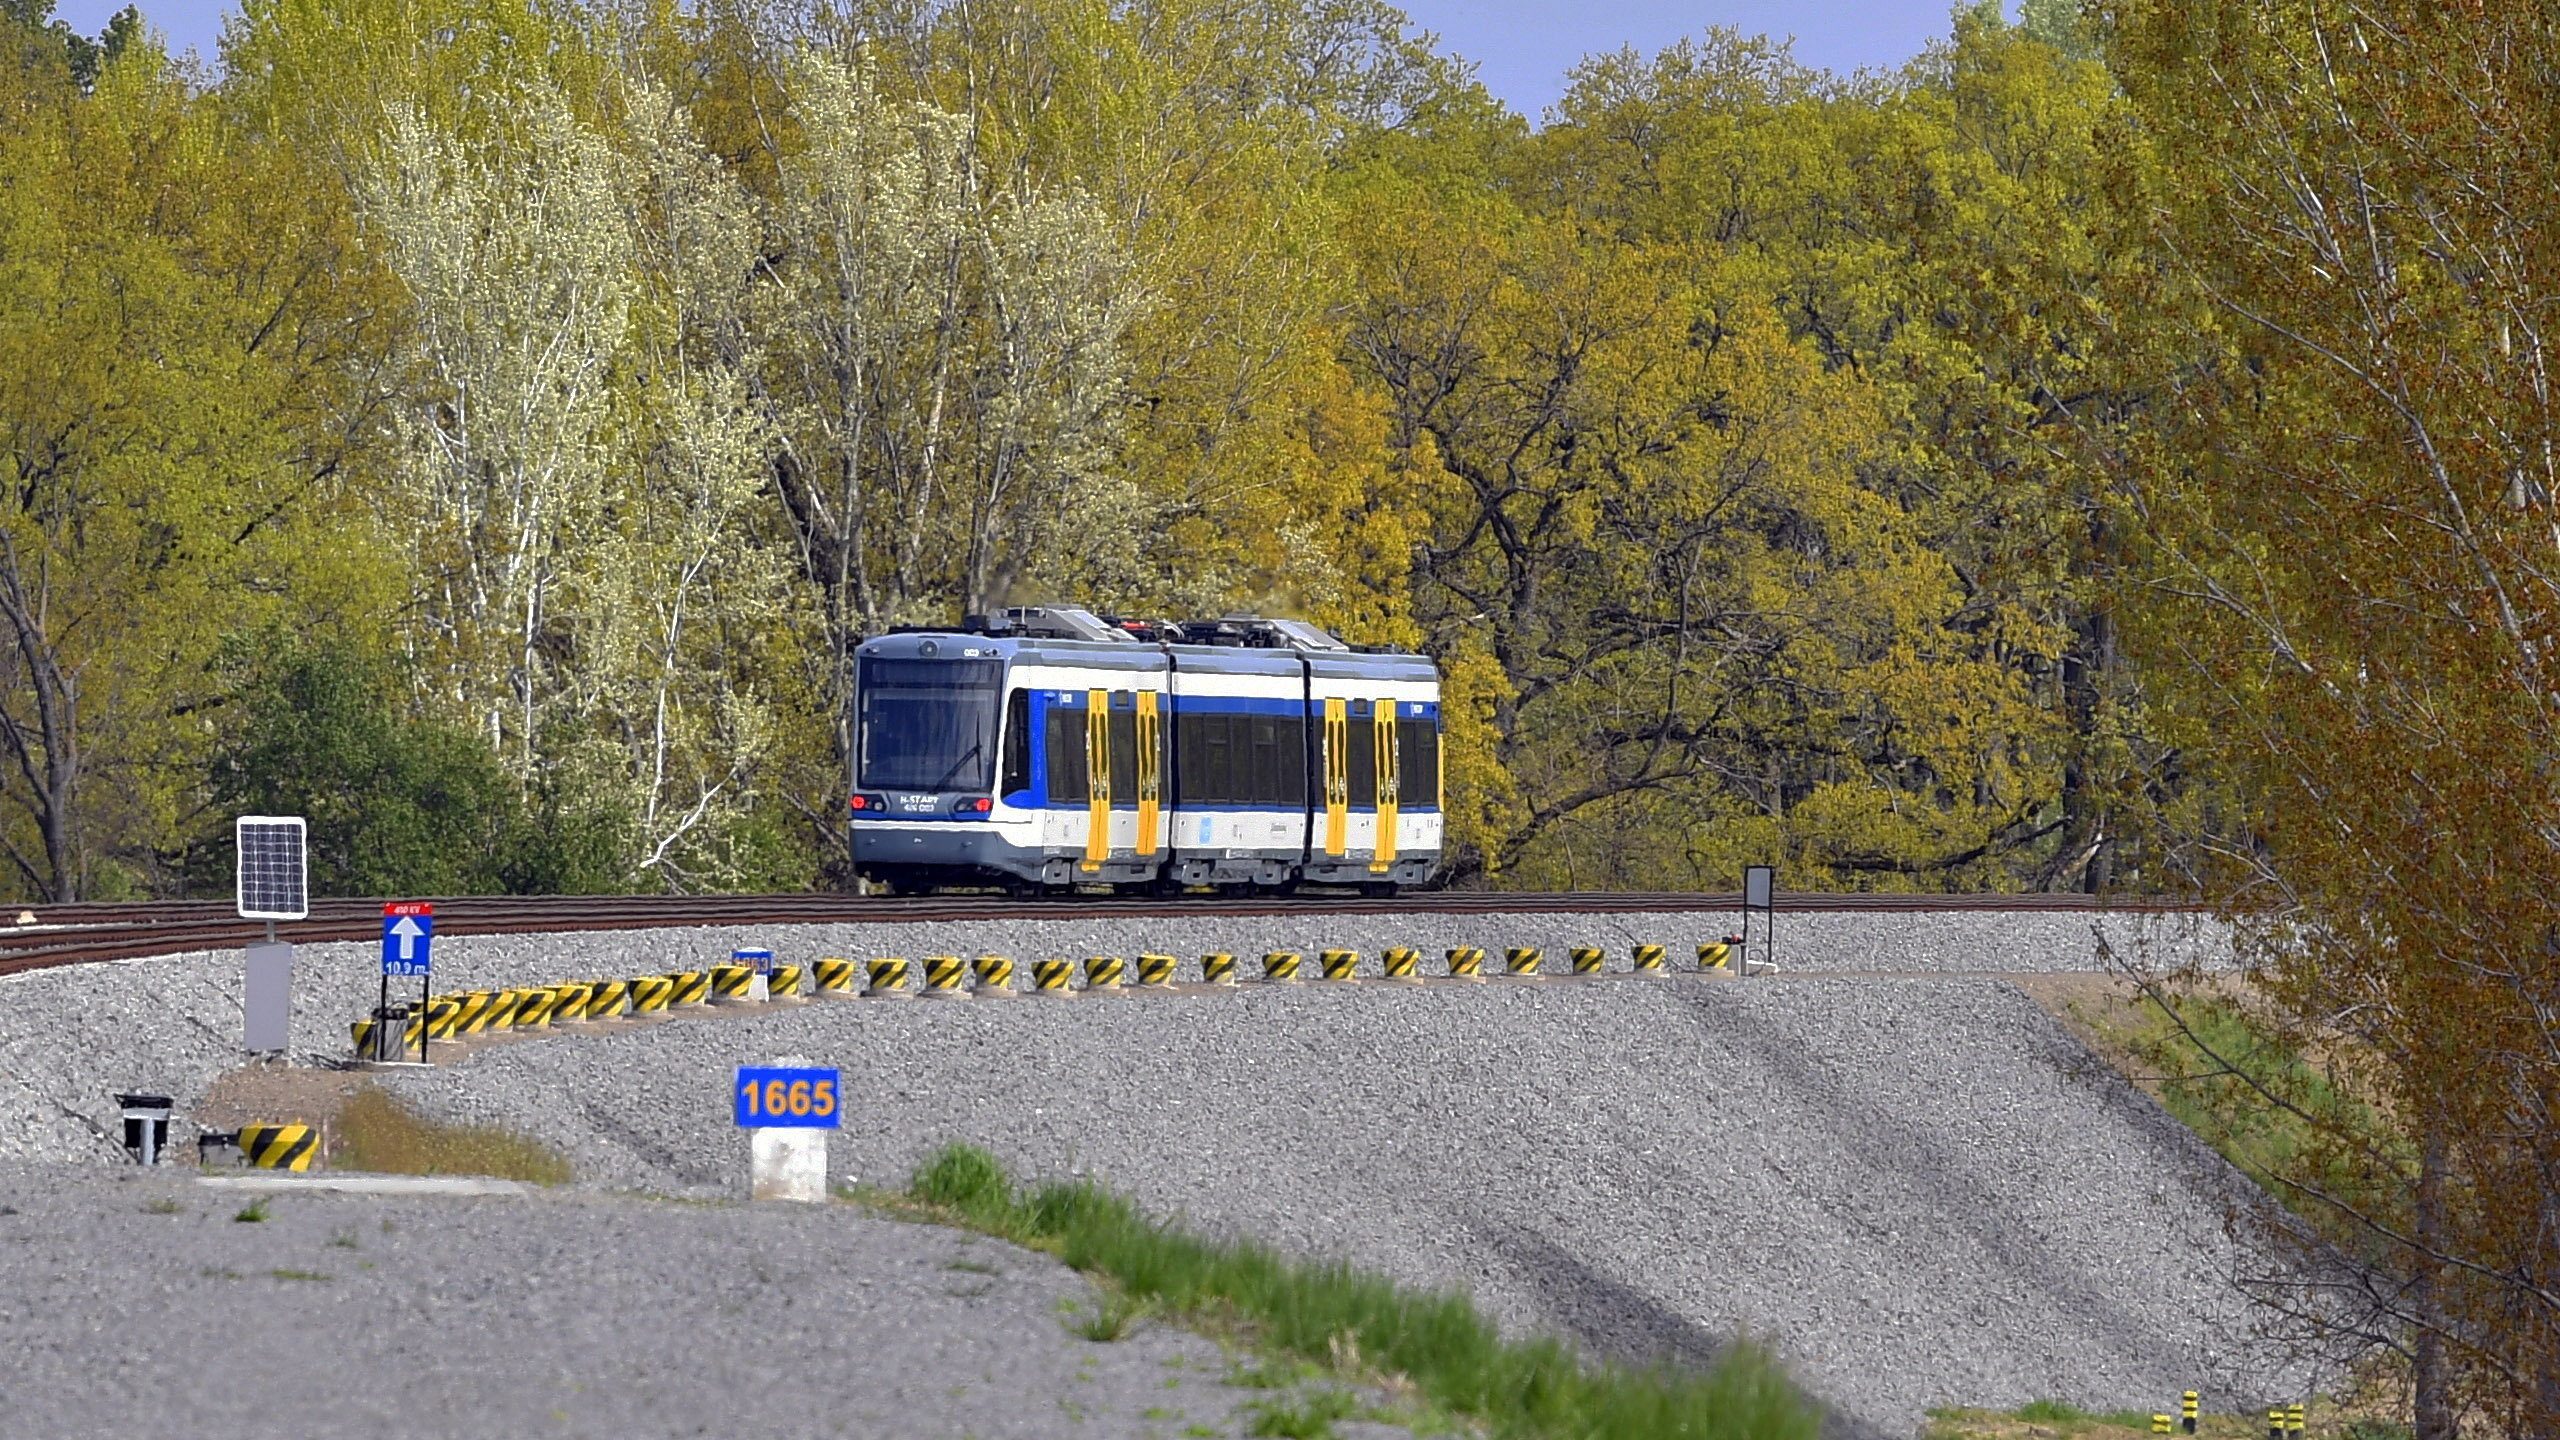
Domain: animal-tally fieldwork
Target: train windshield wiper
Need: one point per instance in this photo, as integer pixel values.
(966, 756)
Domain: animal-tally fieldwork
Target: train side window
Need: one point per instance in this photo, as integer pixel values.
(1017, 744)
(1207, 756)
(1068, 775)
(1124, 750)
(1361, 756)
(1418, 763)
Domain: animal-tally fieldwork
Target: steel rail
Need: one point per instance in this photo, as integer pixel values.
(80, 934)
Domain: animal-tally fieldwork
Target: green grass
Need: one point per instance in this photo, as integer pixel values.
(1451, 1356)
(2061, 1413)
(1113, 1316)
(2318, 1135)
(1307, 1416)
(253, 1213)
(377, 1133)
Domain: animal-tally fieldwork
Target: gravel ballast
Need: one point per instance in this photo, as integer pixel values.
(137, 1305)
(70, 1037)
(1918, 1190)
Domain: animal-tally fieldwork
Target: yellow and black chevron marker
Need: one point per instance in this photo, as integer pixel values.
(1522, 959)
(1649, 959)
(832, 974)
(1341, 965)
(729, 984)
(888, 977)
(442, 1015)
(2187, 1412)
(784, 981)
(1466, 962)
(502, 1009)
(608, 998)
(692, 987)
(578, 1001)
(942, 974)
(1280, 967)
(1155, 971)
(1587, 959)
(649, 994)
(1399, 963)
(475, 1013)
(279, 1147)
(1102, 972)
(995, 974)
(1716, 955)
(1050, 977)
(1218, 968)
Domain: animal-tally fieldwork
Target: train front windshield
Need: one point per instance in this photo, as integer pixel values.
(929, 724)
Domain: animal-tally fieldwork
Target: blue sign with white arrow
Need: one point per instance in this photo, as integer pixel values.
(408, 937)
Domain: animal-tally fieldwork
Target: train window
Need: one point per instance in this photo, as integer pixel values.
(1418, 763)
(1124, 753)
(928, 724)
(1068, 775)
(1361, 758)
(1017, 744)
(1205, 759)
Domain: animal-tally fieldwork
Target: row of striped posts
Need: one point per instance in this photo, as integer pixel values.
(2283, 1421)
(446, 1017)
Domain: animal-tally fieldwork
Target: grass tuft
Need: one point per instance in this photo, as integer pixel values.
(1452, 1356)
(1115, 1317)
(376, 1132)
(1307, 1416)
(253, 1213)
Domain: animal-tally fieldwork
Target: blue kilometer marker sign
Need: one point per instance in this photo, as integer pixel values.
(773, 1097)
(408, 937)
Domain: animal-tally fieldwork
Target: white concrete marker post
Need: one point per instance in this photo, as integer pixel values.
(787, 1108)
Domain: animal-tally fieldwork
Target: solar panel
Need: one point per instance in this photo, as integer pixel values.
(271, 876)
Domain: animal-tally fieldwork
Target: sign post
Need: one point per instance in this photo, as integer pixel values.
(1759, 892)
(408, 946)
(787, 1108)
(271, 883)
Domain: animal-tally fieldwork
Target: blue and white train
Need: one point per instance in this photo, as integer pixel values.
(1045, 748)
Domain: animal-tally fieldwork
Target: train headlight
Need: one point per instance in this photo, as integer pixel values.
(977, 805)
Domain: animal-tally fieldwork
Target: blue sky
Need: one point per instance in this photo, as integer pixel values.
(1522, 48)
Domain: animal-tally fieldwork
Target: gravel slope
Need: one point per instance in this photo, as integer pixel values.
(1915, 1188)
(70, 1037)
(557, 1314)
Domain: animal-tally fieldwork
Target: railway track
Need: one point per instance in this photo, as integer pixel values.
(78, 934)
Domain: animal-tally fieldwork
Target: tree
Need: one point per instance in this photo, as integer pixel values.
(2345, 484)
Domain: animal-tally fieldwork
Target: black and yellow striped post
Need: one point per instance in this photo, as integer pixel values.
(1050, 977)
(608, 998)
(372, 1034)
(1280, 967)
(1589, 959)
(1102, 972)
(649, 994)
(1522, 960)
(2187, 1412)
(784, 982)
(1716, 956)
(888, 977)
(1649, 959)
(834, 974)
(729, 984)
(502, 1009)
(475, 1013)
(2159, 1424)
(1218, 968)
(942, 976)
(2275, 1423)
(1399, 962)
(1466, 962)
(692, 987)
(995, 974)
(2293, 1419)
(279, 1147)
(442, 1016)
(573, 1002)
(533, 1008)
(1155, 971)
(1340, 965)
